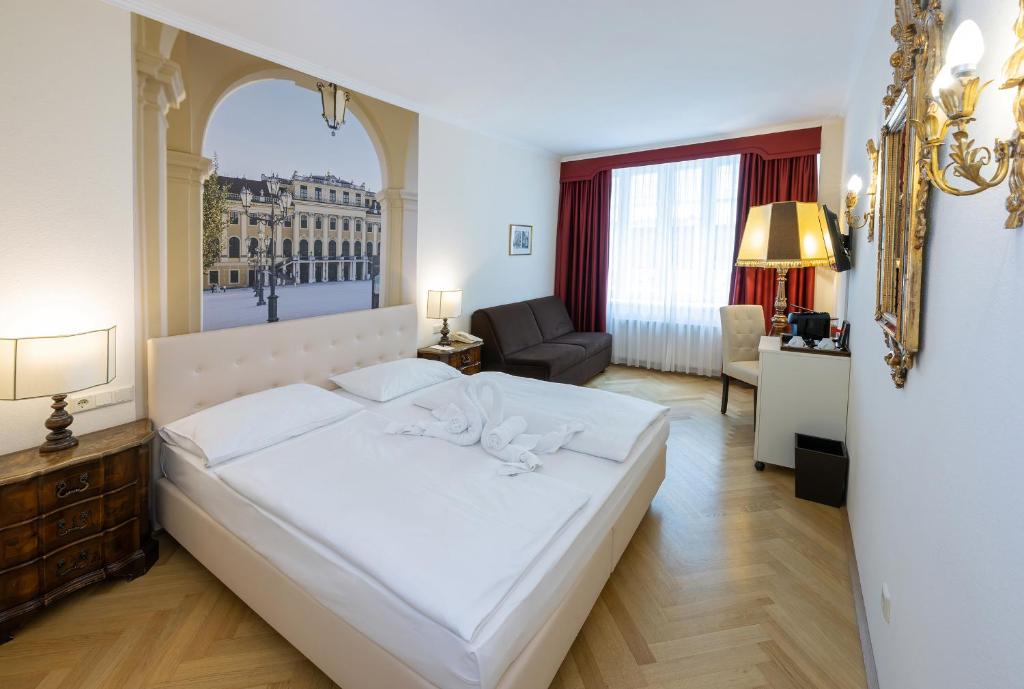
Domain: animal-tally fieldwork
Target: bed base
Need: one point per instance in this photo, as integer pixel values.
(346, 655)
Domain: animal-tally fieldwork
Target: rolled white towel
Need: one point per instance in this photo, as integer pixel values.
(517, 460)
(504, 433)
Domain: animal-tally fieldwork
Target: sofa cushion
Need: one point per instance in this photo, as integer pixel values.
(591, 342)
(552, 318)
(515, 327)
(548, 355)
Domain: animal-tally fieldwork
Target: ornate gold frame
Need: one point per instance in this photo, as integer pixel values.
(902, 218)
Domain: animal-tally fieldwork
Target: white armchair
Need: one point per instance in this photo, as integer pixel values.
(742, 329)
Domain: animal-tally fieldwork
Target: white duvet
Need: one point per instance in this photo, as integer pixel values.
(611, 422)
(432, 523)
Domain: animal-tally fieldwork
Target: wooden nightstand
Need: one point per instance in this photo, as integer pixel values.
(72, 518)
(465, 357)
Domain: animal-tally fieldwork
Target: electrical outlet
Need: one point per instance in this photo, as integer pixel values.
(105, 398)
(886, 603)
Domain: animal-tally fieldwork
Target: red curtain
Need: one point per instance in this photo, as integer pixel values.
(581, 251)
(769, 181)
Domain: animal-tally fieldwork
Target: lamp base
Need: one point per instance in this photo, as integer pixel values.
(60, 436)
(445, 342)
(780, 324)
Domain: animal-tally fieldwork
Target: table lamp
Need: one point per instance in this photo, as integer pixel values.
(53, 367)
(444, 304)
(785, 235)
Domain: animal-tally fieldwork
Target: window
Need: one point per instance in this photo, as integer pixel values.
(359, 225)
(333, 195)
(359, 249)
(234, 247)
(253, 246)
(334, 223)
(345, 249)
(332, 248)
(359, 199)
(318, 223)
(369, 248)
(286, 247)
(344, 197)
(672, 235)
(303, 192)
(318, 248)
(234, 217)
(344, 224)
(214, 277)
(253, 220)
(303, 221)
(367, 203)
(233, 277)
(303, 248)
(288, 221)
(319, 194)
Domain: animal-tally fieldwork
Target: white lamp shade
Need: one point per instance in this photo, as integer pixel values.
(444, 303)
(967, 46)
(44, 366)
(855, 185)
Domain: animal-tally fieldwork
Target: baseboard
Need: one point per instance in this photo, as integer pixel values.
(870, 672)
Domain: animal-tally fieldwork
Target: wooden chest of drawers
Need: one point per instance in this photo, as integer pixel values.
(465, 357)
(71, 518)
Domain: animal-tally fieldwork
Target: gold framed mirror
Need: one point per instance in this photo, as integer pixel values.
(903, 182)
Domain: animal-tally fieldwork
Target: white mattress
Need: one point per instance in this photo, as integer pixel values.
(429, 649)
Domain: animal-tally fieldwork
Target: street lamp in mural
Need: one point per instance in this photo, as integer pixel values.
(264, 255)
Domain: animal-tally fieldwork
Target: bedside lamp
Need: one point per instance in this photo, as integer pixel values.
(444, 304)
(53, 367)
(783, 236)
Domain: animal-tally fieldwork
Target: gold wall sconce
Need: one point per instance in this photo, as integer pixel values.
(853, 189)
(955, 93)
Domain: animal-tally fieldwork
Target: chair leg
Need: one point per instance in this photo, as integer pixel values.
(725, 392)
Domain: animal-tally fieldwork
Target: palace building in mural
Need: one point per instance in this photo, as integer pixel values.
(333, 235)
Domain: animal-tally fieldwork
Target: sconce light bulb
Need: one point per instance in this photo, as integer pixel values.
(943, 81)
(855, 185)
(966, 48)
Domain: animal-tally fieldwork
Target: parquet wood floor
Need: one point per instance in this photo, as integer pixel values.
(730, 583)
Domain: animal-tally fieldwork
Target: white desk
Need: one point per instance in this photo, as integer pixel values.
(798, 392)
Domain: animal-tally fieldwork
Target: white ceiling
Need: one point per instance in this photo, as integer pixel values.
(568, 76)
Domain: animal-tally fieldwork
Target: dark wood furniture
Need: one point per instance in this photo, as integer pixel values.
(463, 356)
(72, 518)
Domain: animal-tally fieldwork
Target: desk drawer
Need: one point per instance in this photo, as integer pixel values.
(71, 485)
(21, 584)
(71, 523)
(73, 561)
(19, 544)
(18, 502)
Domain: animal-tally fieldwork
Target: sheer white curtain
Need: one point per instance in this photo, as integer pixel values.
(673, 228)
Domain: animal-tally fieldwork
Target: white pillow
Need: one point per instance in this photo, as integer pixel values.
(383, 382)
(255, 421)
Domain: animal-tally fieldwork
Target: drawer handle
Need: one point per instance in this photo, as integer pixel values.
(63, 568)
(77, 524)
(63, 490)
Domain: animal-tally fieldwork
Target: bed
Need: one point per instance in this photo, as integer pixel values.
(356, 630)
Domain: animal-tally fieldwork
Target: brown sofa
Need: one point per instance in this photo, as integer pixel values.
(536, 339)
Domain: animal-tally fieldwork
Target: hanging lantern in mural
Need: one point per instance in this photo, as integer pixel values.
(335, 104)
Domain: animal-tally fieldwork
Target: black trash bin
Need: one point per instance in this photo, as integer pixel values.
(821, 469)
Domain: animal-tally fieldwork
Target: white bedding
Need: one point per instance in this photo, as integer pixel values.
(428, 648)
(431, 522)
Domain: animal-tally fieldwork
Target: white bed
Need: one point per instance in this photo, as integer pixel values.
(352, 627)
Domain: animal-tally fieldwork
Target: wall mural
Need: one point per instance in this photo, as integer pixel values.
(293, 245)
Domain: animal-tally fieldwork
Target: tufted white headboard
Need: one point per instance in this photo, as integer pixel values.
(191, 372)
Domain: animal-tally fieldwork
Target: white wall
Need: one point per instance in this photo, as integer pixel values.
(471, 187)
(66, 220)
(937, 471)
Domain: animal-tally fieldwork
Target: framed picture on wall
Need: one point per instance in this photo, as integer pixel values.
(520, 240)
